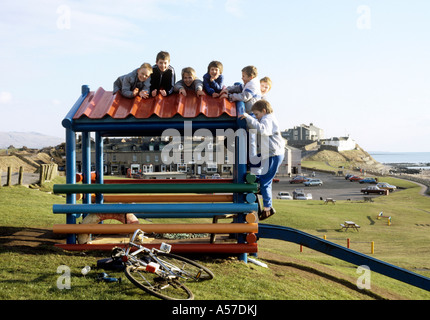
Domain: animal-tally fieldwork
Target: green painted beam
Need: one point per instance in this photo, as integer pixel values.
(156, 188)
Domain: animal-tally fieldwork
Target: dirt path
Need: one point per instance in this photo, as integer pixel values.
(29, 240)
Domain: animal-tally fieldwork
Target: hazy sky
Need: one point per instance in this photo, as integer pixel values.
(351, 67)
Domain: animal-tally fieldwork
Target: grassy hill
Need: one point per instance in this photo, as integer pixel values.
(30, 159)
(349, 160)
(29, 260)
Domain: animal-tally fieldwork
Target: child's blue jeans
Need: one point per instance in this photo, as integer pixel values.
(266, 179)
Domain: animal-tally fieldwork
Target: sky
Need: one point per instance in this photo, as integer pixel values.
(351, 67)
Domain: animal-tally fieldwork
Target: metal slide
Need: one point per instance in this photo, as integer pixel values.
(337, 251)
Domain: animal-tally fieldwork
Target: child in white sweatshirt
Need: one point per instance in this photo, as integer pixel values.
(271, 148)
(249, 92)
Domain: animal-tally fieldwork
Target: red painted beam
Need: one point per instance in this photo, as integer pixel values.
(176, 247)
(94, 228)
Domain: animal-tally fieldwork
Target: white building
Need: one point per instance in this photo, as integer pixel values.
(302, 135)
(339, 143)
(292, 163)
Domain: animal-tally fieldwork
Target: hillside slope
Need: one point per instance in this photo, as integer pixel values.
(30, 159)
(357, 158)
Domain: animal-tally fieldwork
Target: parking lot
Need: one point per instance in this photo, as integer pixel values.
(335, 187)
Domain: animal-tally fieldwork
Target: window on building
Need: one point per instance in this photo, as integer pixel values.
(182, 167)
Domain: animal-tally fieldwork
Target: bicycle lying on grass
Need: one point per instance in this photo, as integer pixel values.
(159, 272)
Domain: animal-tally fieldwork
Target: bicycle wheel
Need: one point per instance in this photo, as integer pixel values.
(164, 288)
(185, 268)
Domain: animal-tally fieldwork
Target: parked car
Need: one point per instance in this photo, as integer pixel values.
(299, 179)
(354, 178)
(297, 192)
(368, 180)
(284, 195)
(313, 182)
(303, 196)
(374, 189)
(386, 186)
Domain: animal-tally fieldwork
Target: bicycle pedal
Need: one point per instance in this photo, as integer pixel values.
(164, 287)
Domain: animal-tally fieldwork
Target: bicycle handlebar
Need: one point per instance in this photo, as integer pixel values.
(133, 237)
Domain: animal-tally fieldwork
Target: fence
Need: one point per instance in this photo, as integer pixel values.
(9, 176)
(47, 172)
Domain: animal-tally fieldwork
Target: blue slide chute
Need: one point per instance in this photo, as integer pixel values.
(293, 235)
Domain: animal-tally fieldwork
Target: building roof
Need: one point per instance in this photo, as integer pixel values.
(103, 104)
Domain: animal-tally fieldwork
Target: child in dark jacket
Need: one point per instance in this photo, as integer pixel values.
(163, 77)
(213, 79)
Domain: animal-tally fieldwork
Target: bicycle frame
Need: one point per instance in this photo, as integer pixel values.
(164, 271)
(159, 272)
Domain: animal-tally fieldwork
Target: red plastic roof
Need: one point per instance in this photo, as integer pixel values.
(101, 104)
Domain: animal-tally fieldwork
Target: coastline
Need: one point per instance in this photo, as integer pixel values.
(402, 158)
(414, 166)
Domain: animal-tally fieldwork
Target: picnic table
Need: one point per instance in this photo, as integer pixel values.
(349, 224)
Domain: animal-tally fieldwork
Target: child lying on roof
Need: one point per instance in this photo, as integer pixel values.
(189, 82)
(135, 83)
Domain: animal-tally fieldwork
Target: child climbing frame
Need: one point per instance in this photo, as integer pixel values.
(108, 115)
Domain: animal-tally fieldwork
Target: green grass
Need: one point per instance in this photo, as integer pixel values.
(332, 166)
(31, 272)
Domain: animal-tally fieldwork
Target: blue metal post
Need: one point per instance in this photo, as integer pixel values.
(71, 177)
(99, 164)
(240, 168)
(86, 164)
(71, 156)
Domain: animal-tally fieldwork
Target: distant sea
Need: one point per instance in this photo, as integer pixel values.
(416, 158)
